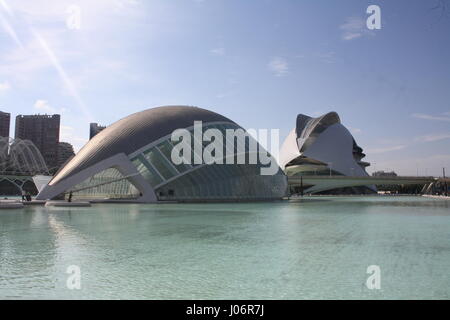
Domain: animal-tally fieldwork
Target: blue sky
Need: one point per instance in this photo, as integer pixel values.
(259, 63)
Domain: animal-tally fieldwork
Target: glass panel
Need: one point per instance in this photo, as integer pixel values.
(158, 161)
(237, 182)
(139, 165)
(146, 170)
(166, 149)
(213, 173)
(105, 185)
(221, 181)
(195, 177)
(193, 153)
(167, 161)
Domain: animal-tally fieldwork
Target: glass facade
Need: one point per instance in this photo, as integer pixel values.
(147, 171)
(194, 182)
(221, 182)
(107, 184)
(189, 182)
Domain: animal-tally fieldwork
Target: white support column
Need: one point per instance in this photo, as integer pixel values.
(120, 161)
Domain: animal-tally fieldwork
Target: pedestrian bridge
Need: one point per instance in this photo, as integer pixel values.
(321, 183)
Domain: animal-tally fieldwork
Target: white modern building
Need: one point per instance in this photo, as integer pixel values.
(323, 146)
(130, 160)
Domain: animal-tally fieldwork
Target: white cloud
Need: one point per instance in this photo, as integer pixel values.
(354, 130)
(351, 36)
(68, 134)
(218, 51)
(43, 41)
(444, 117)
(353, 28)
(328, 57)
(42, 105)
(6, 7)
(433, 137)
(279, 66)
(10, 30)
(399, 144)
(69, 85)
(427, 165)
(225, 94)
(4, 86)
(319, 113)
(385, 149)
(21, 64)
(45, 10)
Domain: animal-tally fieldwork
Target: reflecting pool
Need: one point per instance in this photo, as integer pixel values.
(314, 248)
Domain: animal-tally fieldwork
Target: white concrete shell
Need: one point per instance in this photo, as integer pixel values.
(321, 144)
(119, 161)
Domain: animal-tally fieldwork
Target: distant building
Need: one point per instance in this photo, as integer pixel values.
(43, 131)
(323, 146)
(382, 173)
(65, 152)
(5, 119)
(94, 129)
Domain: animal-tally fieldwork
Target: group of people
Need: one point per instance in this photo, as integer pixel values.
(26, 196)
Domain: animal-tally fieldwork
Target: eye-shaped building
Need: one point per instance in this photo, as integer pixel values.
(130, 160)
(323, 146)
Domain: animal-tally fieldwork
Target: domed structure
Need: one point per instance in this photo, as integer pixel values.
(322, 146)
(131, 160)
(20, 157)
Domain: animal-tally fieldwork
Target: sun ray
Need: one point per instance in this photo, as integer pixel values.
(63, 75)
(10, 30)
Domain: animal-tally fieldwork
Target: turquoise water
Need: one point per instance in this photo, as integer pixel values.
(317, 248)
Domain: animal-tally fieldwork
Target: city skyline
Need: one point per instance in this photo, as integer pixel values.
(389, 85)
(40, 130)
